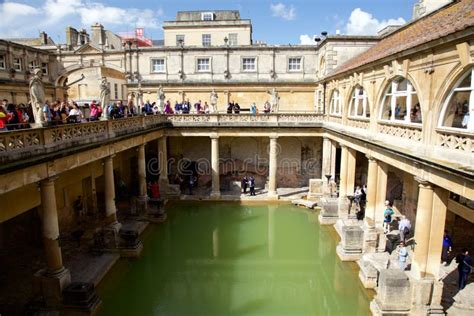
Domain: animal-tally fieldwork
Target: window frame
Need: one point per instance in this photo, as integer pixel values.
(332, 100)
(3, 62)
(180, 36)
(242, 63)
(470, 125)
(152, 65)
(205, 70)
(18, 66)
(365, 103)
(394, 94)
(231, 42)
(204, 43)
(300, 69)
(32, 65)
(207, 14)
(116, 92)
(45, 68)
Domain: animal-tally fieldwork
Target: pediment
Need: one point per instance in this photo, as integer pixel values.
(88, 49)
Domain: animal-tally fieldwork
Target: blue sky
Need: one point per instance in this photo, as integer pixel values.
(275, 22)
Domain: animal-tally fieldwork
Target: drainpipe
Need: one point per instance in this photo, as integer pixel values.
(324, 98)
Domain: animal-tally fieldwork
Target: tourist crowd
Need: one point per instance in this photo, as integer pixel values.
(20, 116)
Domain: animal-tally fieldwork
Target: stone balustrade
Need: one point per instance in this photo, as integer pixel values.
(455, 140)
(20, 144)
(401, 130)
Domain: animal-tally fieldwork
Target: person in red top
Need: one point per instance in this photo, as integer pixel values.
(155, 190)
(3, 118)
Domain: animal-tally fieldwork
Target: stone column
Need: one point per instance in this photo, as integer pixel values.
(110, 208)
(423, 224)
(51, 281)
(50, 227)
(438, 223)
(216, 192)
(142, 195)
(272, 172)
(343, 173)
(326, 159)
(351, 169)
(163, 159)
(371, 190)
(381, 195)
(429, 228)
(333, 159)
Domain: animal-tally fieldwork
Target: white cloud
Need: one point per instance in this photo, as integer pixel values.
(364, 23)
(23, 20)
(306, 39)
(282, 11)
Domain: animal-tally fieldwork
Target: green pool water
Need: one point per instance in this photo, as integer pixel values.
(234, 259)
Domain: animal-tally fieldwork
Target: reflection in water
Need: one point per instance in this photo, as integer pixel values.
(230, 259)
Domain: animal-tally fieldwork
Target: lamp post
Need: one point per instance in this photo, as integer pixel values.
(181, 71)
(227, 72)
(351, 199)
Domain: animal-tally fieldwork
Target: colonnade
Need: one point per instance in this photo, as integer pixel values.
(430, 214)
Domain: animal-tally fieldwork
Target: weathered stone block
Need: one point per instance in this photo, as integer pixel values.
(463, 302)
(316, 189)
(352, 239)
(394, 293)
(329, 211)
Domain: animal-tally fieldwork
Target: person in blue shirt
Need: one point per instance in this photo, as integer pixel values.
(387, 217)
(447, 247)
(464, 267)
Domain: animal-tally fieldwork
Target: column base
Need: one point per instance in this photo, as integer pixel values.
(50, 284)
(350, 247)
(272, 195)
(329, 211)
(393, 295)
(81, 299)
(370, 265)
(215, 195)
(142, 205)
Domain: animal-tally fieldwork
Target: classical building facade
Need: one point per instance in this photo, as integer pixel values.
(393, 113)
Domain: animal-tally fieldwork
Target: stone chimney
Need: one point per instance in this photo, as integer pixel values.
(44, 38)
(98, 34)
(424, 7)
(71, 37)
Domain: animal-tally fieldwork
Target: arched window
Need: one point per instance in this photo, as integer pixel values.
(459, 105)
(359, 106)
(400, 102)
(335, 104)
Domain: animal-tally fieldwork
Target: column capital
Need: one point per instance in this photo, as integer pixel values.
(273, 136)
(370, 157)
(423, 183)
(48, 181)
(214, 136)
(109, 157)
(342, 146)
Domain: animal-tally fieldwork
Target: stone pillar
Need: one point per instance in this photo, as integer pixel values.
(423, 224)
(371, 190)
(381, 195)
(50, 226)
(142, 195)
(50, 282)
(429, 228)
(163, 159)
(343, 173)
(438, 223)
(110, 208)
(326, 159)
(216, 192)
(351, 169)
(272, 185)
(333, 159)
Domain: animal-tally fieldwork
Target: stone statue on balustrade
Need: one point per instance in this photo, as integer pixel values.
(213, 101)
(37, 96)
(161, 99)
(274, 100)
(140, 97)
(104, 95)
